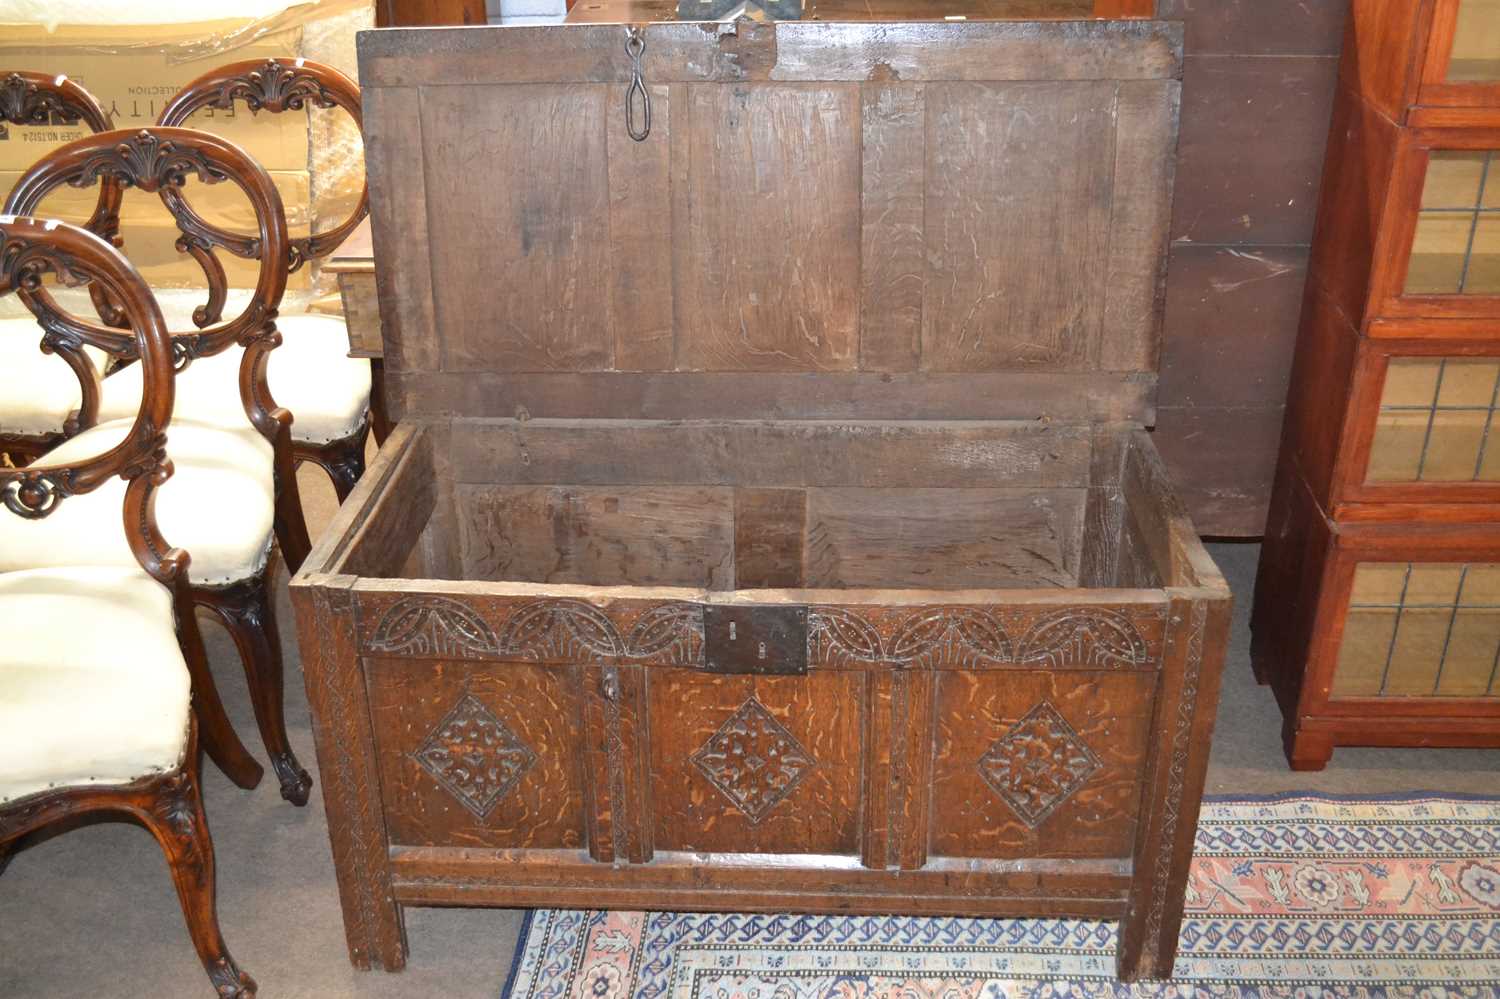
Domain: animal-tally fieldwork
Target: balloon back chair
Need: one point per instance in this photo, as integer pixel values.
(327, 391)
(235, 491)
(42, 402)
(97, 699)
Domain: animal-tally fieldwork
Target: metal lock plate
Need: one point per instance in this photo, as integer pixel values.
(765, 640)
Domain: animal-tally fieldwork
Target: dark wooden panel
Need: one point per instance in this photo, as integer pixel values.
(533, 293)
(640, 213)
(1250, 156)
(519, 720)
(769, 537)
(762, 455)
(1231, 324)
(1222, 461)
(1019, 179)
(1259, 27)
(943, 539)
(1004, 395)
(812, 739)
(1066, 754)
(893, 262)
(637, 535)
(773, 230)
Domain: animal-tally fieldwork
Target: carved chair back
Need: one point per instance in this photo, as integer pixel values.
(31, 249)
(276, 85)
(47, 99)
(43, 99)
(161, 160)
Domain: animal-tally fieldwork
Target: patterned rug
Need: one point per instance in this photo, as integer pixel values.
(1289, 896)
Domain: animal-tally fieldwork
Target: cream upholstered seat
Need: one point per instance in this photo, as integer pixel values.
(310, 374)
(219, 505)
(93, 686)
(37, 391)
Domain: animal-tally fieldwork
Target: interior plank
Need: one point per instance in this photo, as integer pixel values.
(771, 455)
(770, 537)
(645, 536)
(1058, 397)
(943, 538)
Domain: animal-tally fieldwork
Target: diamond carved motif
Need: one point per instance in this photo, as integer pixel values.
(474, 756)
(1038, 764)
(753, 760)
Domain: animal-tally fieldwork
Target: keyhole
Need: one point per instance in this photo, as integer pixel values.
(762, 650)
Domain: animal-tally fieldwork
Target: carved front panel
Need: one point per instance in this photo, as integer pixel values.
(1038, 764)
(746, 764)
(477, 754)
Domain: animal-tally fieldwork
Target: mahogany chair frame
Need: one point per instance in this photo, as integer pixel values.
(42, 99)
(169, 804)
(159, 160)
(275, 85)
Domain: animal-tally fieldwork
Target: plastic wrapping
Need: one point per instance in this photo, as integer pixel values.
(134, 57)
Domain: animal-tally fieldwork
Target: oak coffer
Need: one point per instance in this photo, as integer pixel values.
(771, 523)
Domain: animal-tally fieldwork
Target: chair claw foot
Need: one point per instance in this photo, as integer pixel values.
(230, 982)
(296, 783)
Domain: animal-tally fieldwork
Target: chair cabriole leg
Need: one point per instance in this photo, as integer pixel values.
(245, 608)
(175, 817)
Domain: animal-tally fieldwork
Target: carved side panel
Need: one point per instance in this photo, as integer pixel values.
(753, 761)
(1039, 763)
(477, 755)
(756, 764)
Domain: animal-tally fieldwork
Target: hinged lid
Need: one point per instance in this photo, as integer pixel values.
(916, 220)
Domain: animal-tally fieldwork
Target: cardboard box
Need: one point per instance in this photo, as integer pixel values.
(134, 69)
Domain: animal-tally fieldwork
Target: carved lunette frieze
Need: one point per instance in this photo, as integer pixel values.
(552, 630)
(968, 637)
(564, 630)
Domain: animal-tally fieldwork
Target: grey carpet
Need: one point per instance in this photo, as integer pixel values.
(92, 912)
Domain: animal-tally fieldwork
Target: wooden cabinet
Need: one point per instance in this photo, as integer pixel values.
(1373, 618)
(771, 525)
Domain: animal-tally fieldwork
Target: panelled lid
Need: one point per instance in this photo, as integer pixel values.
(914, 220)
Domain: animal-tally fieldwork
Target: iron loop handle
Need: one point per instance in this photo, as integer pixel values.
(635, 48)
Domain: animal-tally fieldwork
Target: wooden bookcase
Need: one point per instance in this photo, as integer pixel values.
(1377, 609)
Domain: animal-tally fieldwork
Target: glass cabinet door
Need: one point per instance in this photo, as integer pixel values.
(1435, 422)
(1475, 55)
(1421, 630)
(1456, 248)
